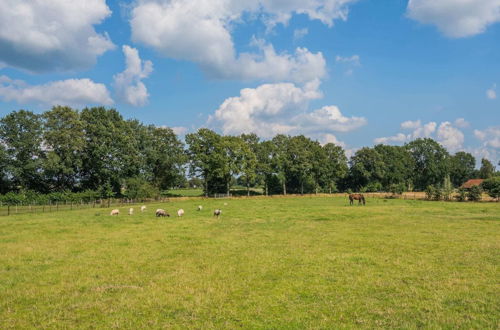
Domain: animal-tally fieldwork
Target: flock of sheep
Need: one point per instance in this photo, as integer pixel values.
(163, 213)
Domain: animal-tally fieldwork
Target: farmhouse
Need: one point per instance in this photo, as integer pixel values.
(471, 183)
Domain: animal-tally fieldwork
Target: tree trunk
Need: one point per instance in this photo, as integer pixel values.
(284, 187)
(302, 188)
(228, 189)
(265, 188)
(248, 189)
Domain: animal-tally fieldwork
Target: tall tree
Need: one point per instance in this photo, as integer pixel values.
(208, 160)
(487, 170)
(264, 168)
(398, 165)
(249, 151)
(64, 140)
(21, 133)
(431, 162)
(4, 181)
(335, 166)
(280, 161)
(367, 167)
(105, 152)
(461, 167)
(165, 157)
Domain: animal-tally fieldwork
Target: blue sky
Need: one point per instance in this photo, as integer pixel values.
(350, 72)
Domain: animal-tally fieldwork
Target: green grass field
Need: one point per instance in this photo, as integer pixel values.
(266, 263)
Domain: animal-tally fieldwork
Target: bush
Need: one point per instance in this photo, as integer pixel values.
(429, 192)
(474, 193)
(397, 189)
(492, 187)
(374, 187)
(462, 195)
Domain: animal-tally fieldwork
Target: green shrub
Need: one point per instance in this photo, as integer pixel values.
(492, 187)
(474, 193)
(462, 195)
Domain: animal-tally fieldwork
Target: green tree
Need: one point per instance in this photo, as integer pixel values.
(64, 140)
(264, 168)
(208, 160)
(4, 181)
(335, 165)
(492, 187)
(462, 166)
(280, 160)
(430, 161)
(107, 150)
(367, 167)
(165, 157)
(487, 170)
(249, 167)
(21, 133)
(398, 165)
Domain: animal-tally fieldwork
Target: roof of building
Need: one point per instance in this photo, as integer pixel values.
(472, 182)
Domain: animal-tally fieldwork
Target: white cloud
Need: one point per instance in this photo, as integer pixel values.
(450, 137)
(456, 18)
(330, 138)
(52, 35)
(398, 138)
(354, 60)
(328, 118)
(179, 130)
(72, 92)
(490, 137)
(492, 93)
(200, 31)
(128, 84)
(461, 123)
(411, 124)
(446, 134)
(300, 33)
(272, 109)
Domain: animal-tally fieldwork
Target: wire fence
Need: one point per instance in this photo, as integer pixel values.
(26, 208)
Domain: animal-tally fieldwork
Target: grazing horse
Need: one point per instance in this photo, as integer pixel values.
(359, 197)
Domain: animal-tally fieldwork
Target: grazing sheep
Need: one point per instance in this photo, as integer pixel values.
(115, 212)
(143, 208)
(200, 207)
(217, 213)
(180, 213)
(131, 211)
(162, 213)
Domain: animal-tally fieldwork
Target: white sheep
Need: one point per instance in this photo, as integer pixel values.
(162, 213)
(115, 212)
(217, 213)
(180, 213)
(143, 208)
(200, 207)
(131, 211)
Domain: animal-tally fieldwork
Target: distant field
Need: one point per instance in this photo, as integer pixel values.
(295, 262)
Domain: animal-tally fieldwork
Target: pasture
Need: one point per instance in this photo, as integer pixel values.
(296, 262)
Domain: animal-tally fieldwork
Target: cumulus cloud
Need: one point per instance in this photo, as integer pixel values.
(300, 33)
(461, 123)
(200, 31)
(330, 138)
(490, 137)
(491, 93)
(50, 35)
(354, 59)
(72, 92)
(180, 130)
(456, 18)
(446, 133)
(281, 108)
(450, 137)
(128, 84)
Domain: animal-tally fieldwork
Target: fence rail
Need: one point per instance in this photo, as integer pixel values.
(27, 208)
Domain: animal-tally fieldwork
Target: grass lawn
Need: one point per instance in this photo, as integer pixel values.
(266, 263)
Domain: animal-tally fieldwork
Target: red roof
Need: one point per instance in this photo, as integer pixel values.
(471, 183)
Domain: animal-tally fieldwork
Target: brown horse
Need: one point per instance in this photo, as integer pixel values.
(359, 197)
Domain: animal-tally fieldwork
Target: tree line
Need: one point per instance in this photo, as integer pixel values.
(96, 152)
